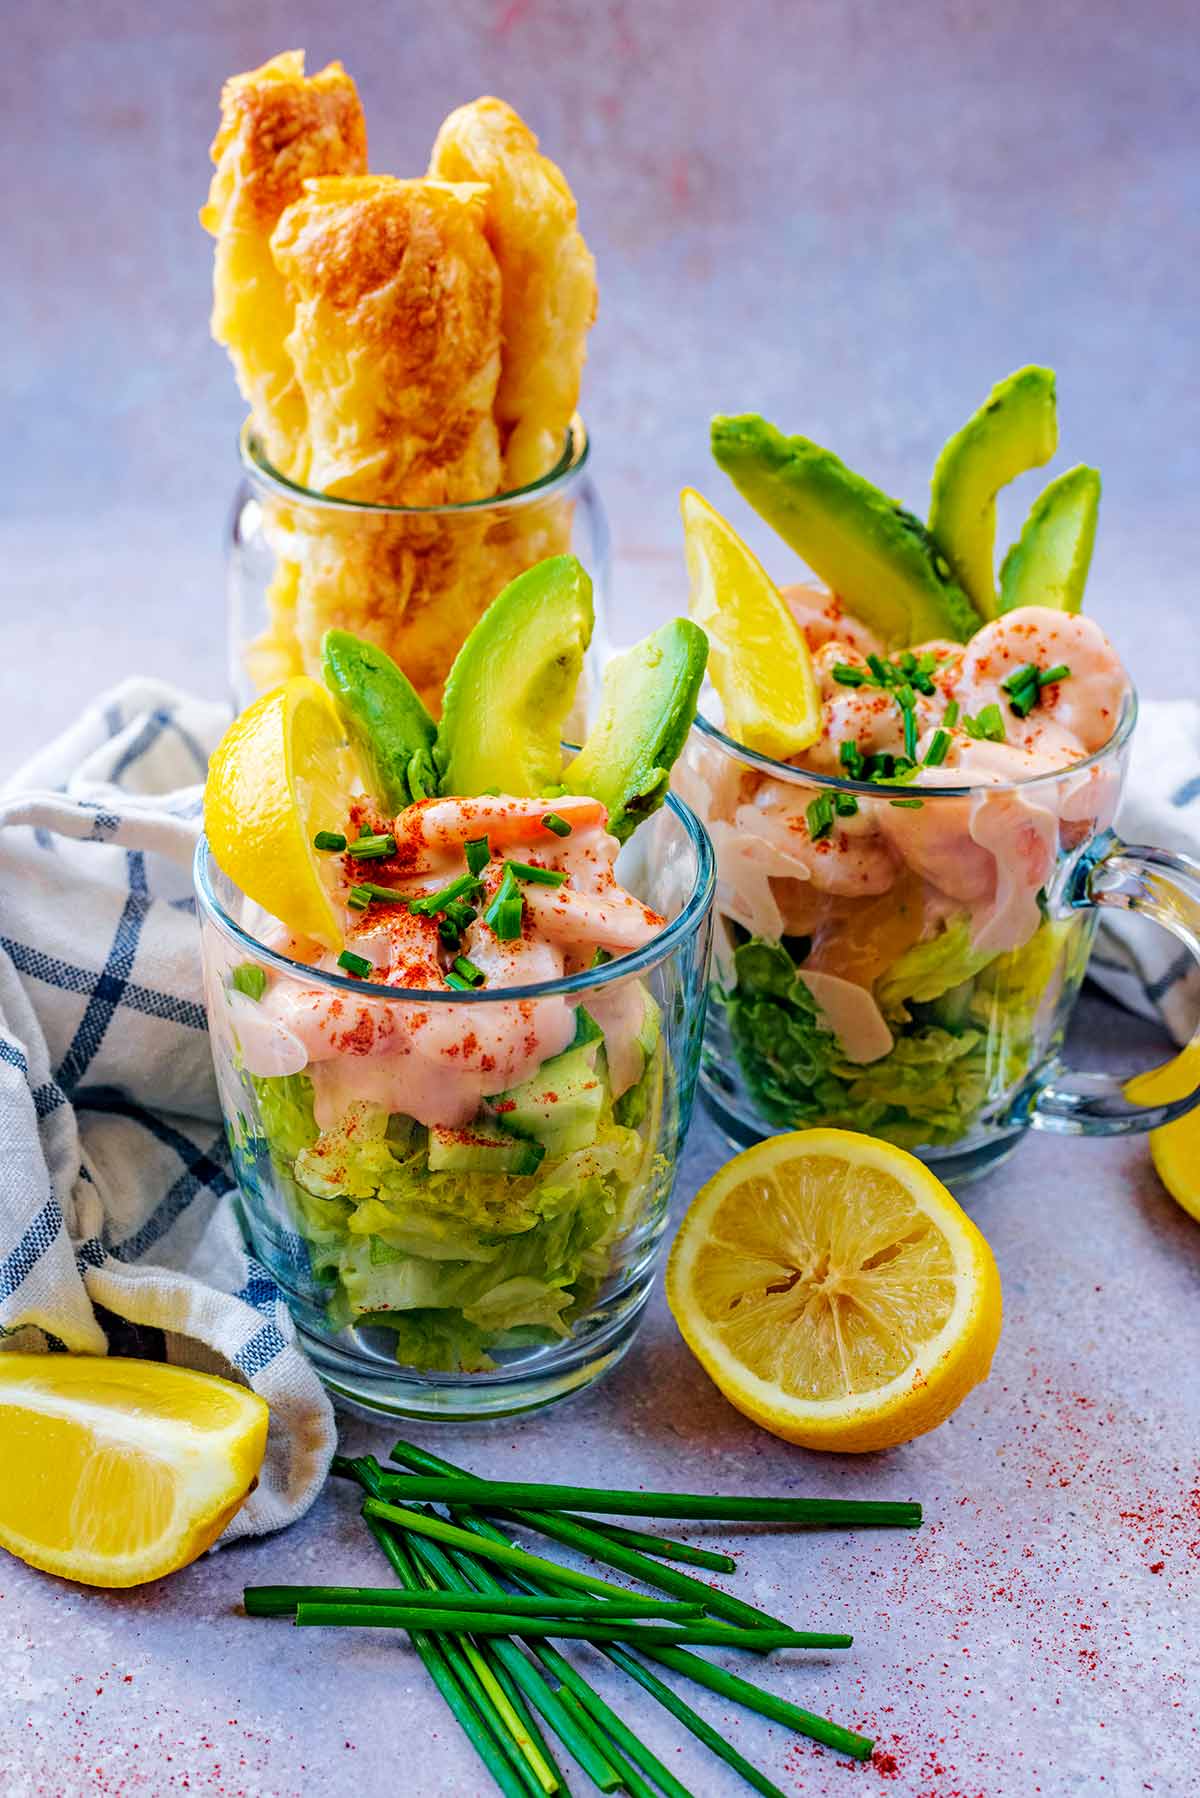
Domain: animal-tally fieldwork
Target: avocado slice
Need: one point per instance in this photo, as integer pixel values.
(560, 1106)
(384, 717)
(876, 556)
(646, 712)
(1016, 428)
(481, 1151)
(1048, 564)
(513, 682)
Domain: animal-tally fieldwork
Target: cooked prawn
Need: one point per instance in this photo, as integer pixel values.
(1085, 705)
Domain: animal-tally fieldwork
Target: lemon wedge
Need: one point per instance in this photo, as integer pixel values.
(759, 659)
(834, 1291)
(116, 1472)
(1174, 1148)
(282, 772)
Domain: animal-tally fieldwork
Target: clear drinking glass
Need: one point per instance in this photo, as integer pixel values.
(457, 1292)
(412, 579)
(914, 978)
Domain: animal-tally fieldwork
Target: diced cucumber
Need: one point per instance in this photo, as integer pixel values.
(482, 1150)
(561, 1105)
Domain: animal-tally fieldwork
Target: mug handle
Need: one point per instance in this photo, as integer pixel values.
(1157, 884)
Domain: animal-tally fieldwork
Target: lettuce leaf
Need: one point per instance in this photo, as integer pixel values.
(928, 970)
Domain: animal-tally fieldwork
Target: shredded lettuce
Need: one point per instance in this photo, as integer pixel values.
(967, 1030)
(457, 1264)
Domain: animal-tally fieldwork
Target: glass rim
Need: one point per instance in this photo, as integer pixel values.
(874, 789)
(659, 948)
(265, 476)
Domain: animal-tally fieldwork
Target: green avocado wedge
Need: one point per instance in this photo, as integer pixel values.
(513, 682)
(1015, 429)
(1048, 564)
(876, 556)
(384, 717)
(646, 712)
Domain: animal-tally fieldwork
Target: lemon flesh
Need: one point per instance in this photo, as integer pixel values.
(117, 1472)
(1174, 1148)
(834, 1291)
(759, 660)
(282, 772)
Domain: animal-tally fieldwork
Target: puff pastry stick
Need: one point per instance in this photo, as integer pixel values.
(547, 273)
(396, 339)
(278, 127)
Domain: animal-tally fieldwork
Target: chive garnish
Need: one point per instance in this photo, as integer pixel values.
(457, 982)
(845, 805)
(848, 676)
(429, 903)
(819, 813)
(372, 849)
(329, 839)
(908, 805)
(987, 726)
(1060, 671)
(250, 979)
(879, 669)
(851, 758)
(600, 957)
(384, 895)
(939, 743)
(542, 877)
(466, 970)
(449, 933)
(504, 915)
(478, 853)
(560, 827)
(952, 714)
(910, 729)
(357, 965)
(358, 898)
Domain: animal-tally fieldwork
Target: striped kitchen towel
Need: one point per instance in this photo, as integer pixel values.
(115, 1184)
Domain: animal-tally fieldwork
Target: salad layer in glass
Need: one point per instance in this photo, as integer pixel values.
(897, 768)
(454, 1115)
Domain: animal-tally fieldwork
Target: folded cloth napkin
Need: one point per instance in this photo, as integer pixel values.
(1136, 963)
(115, 1186)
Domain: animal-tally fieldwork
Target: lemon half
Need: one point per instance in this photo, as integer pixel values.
(835, 1291)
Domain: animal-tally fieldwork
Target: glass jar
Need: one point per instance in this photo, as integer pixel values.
(912, 974)
(438, 1262)
(412, 579)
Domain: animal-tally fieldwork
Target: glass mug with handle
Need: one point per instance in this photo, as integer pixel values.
(913, 978)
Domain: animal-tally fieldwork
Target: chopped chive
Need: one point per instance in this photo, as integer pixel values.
(466, 970)
(939, 743)
(429, 903)
(460, 914)
(1020, 677)
(358, 898)
(357, 965)
(601, 957)
(909, 716)
(449, 933)
(845, 805)
(851, 758)
(906, 697)
(504, 915)
(478, 853)
(457, 982)
(987, 726)
(542, 877)
(385, 895)
(1060, 671)
(848, 676)
(909, 805)
(879, 668)
(250, 979)
(329, 839)
(819, 813)
(558, 825)
(368, 849)
(952, 714)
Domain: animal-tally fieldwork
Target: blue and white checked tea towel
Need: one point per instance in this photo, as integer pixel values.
(115, 1189)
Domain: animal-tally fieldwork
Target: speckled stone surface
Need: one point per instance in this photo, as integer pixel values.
(854, 217)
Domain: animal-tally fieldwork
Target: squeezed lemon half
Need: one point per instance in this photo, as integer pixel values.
(834, 1291)
(759, 659)
(1174, 1148)
(115, 1471)
(281, 773)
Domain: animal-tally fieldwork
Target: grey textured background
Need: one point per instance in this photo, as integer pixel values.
(854, 217)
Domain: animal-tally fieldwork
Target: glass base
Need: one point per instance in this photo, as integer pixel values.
(956, 1167)
(375, 1388)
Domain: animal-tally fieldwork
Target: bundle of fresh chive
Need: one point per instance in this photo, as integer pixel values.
(465, 1623)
